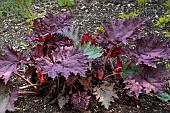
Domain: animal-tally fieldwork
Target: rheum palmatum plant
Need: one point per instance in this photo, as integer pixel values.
(69, 68)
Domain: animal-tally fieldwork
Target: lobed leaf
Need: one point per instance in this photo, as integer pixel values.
(151, 79)
(86, 82)
(130, 70)
(163, 96)
(149, 51)
(72, 33)
(80, 100)
(45, 28)
(62, 100)
(8, 63)
(105, 93)
(66, 60)
(124, 29)
(7, 97)
(91, 50)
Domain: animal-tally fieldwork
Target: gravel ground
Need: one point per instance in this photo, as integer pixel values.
(88, 15)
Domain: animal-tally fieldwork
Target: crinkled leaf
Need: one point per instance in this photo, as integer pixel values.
(86, 82)
(80, 100)
(134, 87)
(62, 100)
(163, 96)
(91, 50)
(37, 51)
(55, 43)
(72, 33)
(151, 79)
(130, 70)
(149, 51)
(71, 80)
(88, 37)
(105, 93)
(8, 63)
(66, 60)
(46, 27)
(122, 30)
(7, 98)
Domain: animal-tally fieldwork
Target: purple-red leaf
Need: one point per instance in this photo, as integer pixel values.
(45, 28)
(80, 100)
(8, 63)
(149, 50)
(151, 79)
(122, 30)
(37, 51)
(66, 60)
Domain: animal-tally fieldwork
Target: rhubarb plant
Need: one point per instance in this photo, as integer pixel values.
(73, 68)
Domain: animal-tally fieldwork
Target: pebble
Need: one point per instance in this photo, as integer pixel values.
(64, 10)
(83, 7)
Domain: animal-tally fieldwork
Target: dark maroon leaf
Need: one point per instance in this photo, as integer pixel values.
(8, 63)
(86, 82)
(66, 60)
(37, 51)
(71, 80)
(45, 28)
(151, 79)
(149, 51)
(122, 30)
(88, 37)
(56, 42)
(80, 101)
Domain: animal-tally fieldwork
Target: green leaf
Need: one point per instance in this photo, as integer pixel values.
(141, 2)
(167, 3)
(136, 13)
(167, 34)
(130, 70)
(101, 29)
(162, 21)
(163, 96)
(65, 2)
(91, 50)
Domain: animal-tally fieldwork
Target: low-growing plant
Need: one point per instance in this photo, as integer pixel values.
(164, 20)
(136, 13)
(16, 8)
(67, 3)
(70, 68)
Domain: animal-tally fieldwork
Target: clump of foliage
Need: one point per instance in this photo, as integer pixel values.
(18, 8)
(138, 11)
(164, 20)
(70, 68)
(67, 3)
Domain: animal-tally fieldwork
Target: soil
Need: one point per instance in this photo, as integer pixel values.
(88, 15)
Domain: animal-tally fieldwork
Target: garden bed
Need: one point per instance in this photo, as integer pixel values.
(88, 15)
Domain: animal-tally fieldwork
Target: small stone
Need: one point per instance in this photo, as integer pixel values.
(83, 7)
(64, 10)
